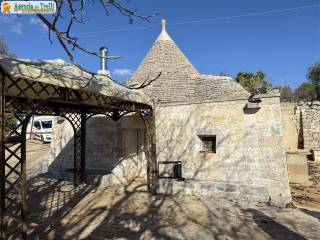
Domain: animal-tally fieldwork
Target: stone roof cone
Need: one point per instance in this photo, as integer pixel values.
(166, 58)
(179, 81)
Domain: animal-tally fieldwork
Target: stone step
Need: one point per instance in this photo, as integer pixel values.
(298, 167)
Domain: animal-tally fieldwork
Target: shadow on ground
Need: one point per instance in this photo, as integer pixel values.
(57, 210)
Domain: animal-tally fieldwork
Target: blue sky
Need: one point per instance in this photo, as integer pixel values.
(282, 44)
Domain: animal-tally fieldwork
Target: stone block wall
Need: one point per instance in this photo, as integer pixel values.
(310, 113)
(292, 131)
(249, 162)
(114, 152)
(301, 125)
(316, 155)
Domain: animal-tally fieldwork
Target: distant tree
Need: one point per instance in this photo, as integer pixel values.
(306, 91)
(4, 50)
(286, 94)
(254, 82)
(314, 77)
(10, 120)
(224, 74)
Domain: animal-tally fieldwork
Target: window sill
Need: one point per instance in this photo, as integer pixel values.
(206, 151)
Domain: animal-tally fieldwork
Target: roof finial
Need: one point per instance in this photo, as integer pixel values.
(164, 35)
(163, 23)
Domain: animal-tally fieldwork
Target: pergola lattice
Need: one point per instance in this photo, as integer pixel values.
(56, 88)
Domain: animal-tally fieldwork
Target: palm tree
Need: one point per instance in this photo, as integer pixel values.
(255, 83)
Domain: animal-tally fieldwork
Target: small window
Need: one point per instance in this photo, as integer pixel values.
(37, 125)
(208, 144)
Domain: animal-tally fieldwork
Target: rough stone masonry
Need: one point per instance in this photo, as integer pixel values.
(301, 124)
(310, 121)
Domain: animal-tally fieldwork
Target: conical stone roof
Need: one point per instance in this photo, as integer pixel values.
(179, 79)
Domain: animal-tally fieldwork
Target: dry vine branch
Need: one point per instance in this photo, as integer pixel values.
(76, 14)
(145, 82)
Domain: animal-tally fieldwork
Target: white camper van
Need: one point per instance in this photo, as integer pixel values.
(40, 127)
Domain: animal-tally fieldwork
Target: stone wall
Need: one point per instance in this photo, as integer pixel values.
(316, 155)
(250, 161)
(310, 116)
(301, 125)
(114, 152)
(291, 126)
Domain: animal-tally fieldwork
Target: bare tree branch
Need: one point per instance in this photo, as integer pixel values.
(145, 83)
(77, 14)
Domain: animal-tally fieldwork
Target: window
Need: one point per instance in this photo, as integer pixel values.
(208, 144)
(46, 124)
(36, 124)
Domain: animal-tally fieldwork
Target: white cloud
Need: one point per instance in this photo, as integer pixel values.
(12, 24)
(16, 28)
(6, 19)
(123, 72)
(37, 22)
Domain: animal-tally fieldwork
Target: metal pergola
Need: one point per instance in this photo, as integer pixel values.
(24, 95)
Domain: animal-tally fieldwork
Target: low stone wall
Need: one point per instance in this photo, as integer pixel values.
(301, 125)
(310, 114)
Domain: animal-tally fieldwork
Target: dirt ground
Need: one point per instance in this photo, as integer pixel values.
(36, 153)
(59, 211)
(308, 196)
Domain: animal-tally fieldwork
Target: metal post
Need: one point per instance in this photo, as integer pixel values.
(23, 188)
(79, 123)
(83, 145)
(103, 53)
(2, 157)
(77, 157)
(24, 177)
